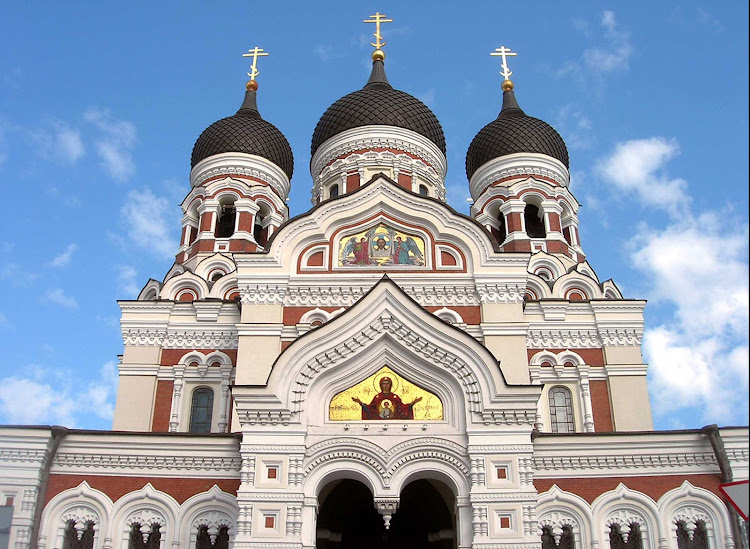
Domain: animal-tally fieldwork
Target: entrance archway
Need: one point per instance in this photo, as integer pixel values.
(424, 520)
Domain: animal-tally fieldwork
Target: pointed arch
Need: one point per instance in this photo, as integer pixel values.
(81, 503)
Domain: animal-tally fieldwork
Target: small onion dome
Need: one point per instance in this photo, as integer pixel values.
(378, 104)
(514, 132)
(245, 132)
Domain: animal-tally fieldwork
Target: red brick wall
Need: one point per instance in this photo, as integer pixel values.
(115, 487)
(352, 182)
(162, 406)
(592, 357)
(653, 486)
(600, 406)
(404, 180)
(448, 259)
(292, 315)
(315, 260)
(170, 357)
(471, 314)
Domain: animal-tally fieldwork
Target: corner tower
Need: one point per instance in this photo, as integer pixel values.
(518, 171)
(240, 179)
(378, 129)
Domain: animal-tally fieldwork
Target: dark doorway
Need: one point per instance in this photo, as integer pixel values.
(348, 518)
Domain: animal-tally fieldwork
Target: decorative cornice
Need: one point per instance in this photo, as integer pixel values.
(621, 337)
(129, 465)
(358, 162)
(495, 292)
(180, 339)
(249, 165)
(517, 165)
(378, 137)
(556, 339)
(263, 294)
(345, 296)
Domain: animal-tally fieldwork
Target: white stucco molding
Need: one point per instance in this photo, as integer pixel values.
(241, 164)
(386, 327)
(378, 137)
(517, 165)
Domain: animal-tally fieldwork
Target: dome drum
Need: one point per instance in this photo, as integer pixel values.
(355, 155)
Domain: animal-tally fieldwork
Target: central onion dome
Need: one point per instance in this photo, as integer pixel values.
(378, 104)
(245, 132)
(514, 132)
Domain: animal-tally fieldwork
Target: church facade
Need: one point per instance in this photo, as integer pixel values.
(380, 371)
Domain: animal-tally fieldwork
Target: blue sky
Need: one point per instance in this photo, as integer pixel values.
(100, 105)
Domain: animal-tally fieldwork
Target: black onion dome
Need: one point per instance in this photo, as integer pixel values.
(514, 132)
(245, 132)
(378, 104)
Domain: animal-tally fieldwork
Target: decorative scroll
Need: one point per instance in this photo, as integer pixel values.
(385, 396)
(381, 246)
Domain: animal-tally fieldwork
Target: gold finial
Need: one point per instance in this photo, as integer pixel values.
(504, 52)
(378, 54)
(254, 53)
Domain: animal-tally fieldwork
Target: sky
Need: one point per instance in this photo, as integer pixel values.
(101, 103)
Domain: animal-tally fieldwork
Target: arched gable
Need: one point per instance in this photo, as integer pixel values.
(387, 327)
(378, 201)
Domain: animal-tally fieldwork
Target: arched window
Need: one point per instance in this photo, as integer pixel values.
(698, 540)
(502, 229)
(144, 540)
(567, 541)
(561, 410)
(626, 537)
(423, 191)
(258, 232)
(334, 192)
(212, 540)
(226, 222)
(201, 410)
(534, 221)
(72, 539)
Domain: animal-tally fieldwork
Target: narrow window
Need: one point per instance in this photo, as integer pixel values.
(334, 192)
(634, 538)
(201, 409)
(534, 222)
(71, 539)
(700, 536)
(566, 538)
(502, 230)
(561, 410)
(203, 539)
(136, 537)
(225, 225)
(423, 190)
(258, 231)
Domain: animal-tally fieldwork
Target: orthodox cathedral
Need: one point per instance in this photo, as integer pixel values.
(381, 371)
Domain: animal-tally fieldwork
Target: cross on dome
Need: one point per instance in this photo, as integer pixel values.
(378, 18)
(504, 52)
(254, 53)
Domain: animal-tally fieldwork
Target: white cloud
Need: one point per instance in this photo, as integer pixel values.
(576, 127)
(149, 220)
(611, 54)
(61, 144)
(637, 166)
(115, 146)
(126, 280)
(428, 97)
(616, 52)
(58, 296)
(68, 144)
(64, 258)
(696, 270)
(57, 399)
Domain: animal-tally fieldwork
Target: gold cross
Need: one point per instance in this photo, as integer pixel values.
(254, 53)
(377, 19)
(504, 52)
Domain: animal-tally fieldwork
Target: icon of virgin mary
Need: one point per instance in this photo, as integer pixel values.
(387, 405)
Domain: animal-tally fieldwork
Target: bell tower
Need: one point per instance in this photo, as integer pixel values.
(518, 171)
